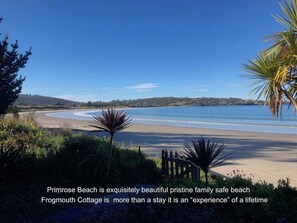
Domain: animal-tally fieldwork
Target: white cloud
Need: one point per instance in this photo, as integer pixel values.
(143, 87)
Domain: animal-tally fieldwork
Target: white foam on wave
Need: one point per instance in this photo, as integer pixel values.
(71, 114)
(85, 113)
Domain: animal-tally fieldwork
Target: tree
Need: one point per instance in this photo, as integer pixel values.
(205, 155)
(89, 104)
(274, 69)
(111, 121)
(10, 64)
(264, 70)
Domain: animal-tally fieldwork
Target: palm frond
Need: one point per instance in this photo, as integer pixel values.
(290, 18)
(275, 68)
(270, 78)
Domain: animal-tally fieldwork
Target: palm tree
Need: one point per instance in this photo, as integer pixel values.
(275, 68)
(205, 155)
(269, 83)
(111, 121)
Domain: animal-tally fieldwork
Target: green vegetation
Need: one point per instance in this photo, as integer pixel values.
(30, 152)
(19, 136)
(205, 155)
(274, 69)
(281, 205)
(28, 100)
(10, 64)
(32, 158)
(174, 101)
(82, 160)
(41, 102)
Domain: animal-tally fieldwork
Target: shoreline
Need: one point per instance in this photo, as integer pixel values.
(266, 156)
(271, 126)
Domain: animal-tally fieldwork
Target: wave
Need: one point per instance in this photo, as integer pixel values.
(85, 113)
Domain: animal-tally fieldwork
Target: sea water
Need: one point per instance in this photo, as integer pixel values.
(255, 118)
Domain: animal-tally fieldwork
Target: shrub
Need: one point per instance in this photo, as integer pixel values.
(14, 110)
(17, 135)
(282, 200)
(84, 160)
(29, 151)
(134, 168)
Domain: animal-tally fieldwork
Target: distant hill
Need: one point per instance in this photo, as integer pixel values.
(173, 101)
(26, 100)
(38, 100)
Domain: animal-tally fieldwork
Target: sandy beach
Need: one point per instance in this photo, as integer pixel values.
(261, 156)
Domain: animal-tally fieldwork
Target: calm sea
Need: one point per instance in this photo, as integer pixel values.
(244, 118)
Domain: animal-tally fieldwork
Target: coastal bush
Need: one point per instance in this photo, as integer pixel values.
(231, 213)
(30, 152)
(76, 149)
(282, 200)
(134, 168)
(18, 135)
(83, 160)
(14, 110)
(65, 129)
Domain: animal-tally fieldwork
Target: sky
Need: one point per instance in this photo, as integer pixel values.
(102, 50)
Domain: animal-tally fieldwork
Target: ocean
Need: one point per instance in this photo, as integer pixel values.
(256, 118)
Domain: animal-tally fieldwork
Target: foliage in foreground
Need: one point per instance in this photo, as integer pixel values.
(280, 208)
(282, 201)
(30, 152)
(20, 138)
(83, 160)
(205, 154)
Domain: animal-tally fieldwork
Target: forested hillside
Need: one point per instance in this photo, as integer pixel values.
(173, 101)
(37, 100)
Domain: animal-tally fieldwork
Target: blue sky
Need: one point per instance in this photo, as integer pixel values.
(115, 49)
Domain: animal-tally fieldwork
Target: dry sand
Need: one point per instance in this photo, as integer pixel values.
(261, 156)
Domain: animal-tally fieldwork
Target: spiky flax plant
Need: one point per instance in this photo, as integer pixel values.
(205, 155)
(111, 121)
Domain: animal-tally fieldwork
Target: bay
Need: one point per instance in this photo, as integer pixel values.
(256, 118)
